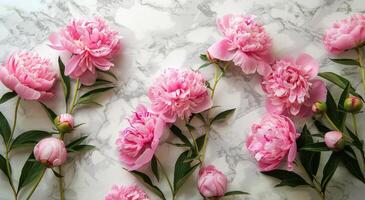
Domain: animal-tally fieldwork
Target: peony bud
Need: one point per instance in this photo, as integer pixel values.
(50, 151)
(334, 140)
(64, 123)
(211, 182)
(353, 104)
(319, 107)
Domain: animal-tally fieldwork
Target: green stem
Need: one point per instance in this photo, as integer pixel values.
(362, 69)
(354, 123)
(37, 183)
(195, 144)
(312, 183)
(331, 122)
(60, 184)
(76, 91)
(167, 178)
(8, 144)
(207, 131)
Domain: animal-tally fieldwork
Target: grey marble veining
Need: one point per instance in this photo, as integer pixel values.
(170, 33)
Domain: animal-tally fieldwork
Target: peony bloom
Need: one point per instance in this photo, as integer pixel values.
(334, 140)
(345, 34)
(50, 151)
(272, 140)
(64, 123)
(178, 93)
(126, 193)
(92, 44)
(292, 88)
(28, 75)
(245, 42)
(211, 182)
(137, 143)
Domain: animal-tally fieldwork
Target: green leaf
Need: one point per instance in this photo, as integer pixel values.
(177, 144)
(80, 147)
(109, 73)
(223, 115)
(309, 160)
(352, 165)
(339, 81)
(204, 65)
(4, 167)
(342, 115)
(51, 114)
(346, 61)
(99, 82)
(316, 147)
(87, 97)
(182, 170)
(356, 142)
(30, 171)
(143, 177)
(329, 169)
(5, 130)
(154, 167)
(65, 80)
(287, 178)
(203, 57)
(201, 117)
(321, 127)
(234, 193)
(7, 96)
(29, 138)
(57, 174)
(200, 142)
(76, 142)
(332, 109)
(178, 133)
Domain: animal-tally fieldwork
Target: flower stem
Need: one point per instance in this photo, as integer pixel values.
(60, 184)
(8, 144)
(76, 91)
(331, 122)
(167, 178)
(354, 123)
(37, 183)
(362, 67)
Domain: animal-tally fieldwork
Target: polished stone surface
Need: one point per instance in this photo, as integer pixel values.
(170, 33)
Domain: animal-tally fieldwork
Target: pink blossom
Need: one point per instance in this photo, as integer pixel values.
(92, 44)
(50, 151)
(212, 182)
(138, 142)
(245, 42)
(126, 193)
(292, 88)
(64, 123)
(28, 75)
(67, 118)
(272, 140)
(333, 139)
(179, 93)
(345, 34)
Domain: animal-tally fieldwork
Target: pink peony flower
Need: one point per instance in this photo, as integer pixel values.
(126, 193)
(178, 93)
(92, 44)
(245, 42)
(345, 34)
(211, 182)
(272, 140)
(28, 75)
(292, 88)
(137, 143)
(50, 151)
(333, 140)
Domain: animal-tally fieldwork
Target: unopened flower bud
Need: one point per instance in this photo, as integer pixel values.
(50, 151)
(334, 140)
(211, 182)
(64, 123)
(353, 104)
(319, 107)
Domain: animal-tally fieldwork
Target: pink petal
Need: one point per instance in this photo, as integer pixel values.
(88, 78)
(26, 92)
(309, 64)
(274, 109)
(54, 38)
(221, 50)
(72, 64)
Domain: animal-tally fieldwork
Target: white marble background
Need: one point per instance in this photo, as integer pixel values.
(159, 34)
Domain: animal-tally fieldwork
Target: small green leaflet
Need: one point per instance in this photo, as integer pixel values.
(5, 130)
(234, 193)
(222, 115)
(147, 181)
(345, 61)
(154, 167)
(287, 178)
(7, 96)
(65, 80)
(29, 138)
(51, 114)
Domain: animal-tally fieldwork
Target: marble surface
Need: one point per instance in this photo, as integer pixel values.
(169, 33)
